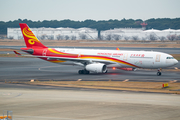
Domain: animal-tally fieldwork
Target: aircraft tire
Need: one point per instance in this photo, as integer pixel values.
(80, 72)
(86, 72)
(83, 72)
(158, 73)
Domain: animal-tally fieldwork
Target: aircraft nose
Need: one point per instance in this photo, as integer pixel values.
(175, 62)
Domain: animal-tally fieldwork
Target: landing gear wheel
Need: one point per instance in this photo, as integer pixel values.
(86, 72)
(80, 71)
(83, 72)
(158, 73)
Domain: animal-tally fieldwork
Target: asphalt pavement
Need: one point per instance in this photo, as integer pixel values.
(15, 69)
(55, 103)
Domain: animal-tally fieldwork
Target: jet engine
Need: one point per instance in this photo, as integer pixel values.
(96, 67)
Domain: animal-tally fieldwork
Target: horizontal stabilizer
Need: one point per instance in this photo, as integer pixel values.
(17, 53)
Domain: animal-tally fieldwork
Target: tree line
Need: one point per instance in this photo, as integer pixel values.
(160, 24)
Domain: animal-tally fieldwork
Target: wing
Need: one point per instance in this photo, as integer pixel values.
(77, 60)
(80, 60)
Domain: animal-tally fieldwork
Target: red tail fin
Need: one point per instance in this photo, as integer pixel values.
(29, 38)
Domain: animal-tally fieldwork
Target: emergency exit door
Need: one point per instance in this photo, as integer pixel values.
(125, 56)
(158, 56)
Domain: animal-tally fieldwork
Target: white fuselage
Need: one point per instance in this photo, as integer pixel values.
(141, 59)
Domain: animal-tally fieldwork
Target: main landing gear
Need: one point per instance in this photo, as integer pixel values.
(159, 72)
(83, 72)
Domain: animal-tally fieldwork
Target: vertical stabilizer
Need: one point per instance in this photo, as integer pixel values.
(29, 38)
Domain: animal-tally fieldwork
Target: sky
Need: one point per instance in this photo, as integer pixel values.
(80, 10)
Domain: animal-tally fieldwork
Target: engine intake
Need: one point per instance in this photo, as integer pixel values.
(96, 67)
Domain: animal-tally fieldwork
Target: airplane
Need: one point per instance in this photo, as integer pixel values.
(95, 61)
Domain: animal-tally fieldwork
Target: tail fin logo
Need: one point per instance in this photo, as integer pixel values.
(28, 33)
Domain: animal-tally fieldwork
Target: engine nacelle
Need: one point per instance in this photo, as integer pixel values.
(96, 67)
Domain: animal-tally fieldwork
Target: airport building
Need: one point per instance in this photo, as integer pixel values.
(55, 33)
(139, 34)
(92, 34)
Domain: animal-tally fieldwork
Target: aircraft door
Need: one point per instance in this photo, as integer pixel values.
(158, 61)
(44, 52)
(125, 56)
(158, 56)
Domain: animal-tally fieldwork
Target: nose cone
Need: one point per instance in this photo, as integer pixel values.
(175, 62)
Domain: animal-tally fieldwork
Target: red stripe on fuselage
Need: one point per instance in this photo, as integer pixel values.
(51, 52)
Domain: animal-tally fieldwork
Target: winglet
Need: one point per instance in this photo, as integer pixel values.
(29, 37)
(17, 53)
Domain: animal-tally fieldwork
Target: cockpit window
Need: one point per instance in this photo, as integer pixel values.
(169, 58)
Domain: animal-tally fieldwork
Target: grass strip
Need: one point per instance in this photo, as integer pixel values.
(174, 87)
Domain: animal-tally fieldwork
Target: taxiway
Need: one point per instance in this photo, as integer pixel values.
(15, 69)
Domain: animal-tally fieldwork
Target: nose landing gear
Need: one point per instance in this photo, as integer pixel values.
(159, 72)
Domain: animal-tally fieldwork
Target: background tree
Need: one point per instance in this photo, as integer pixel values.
(109, 37)
(102, 37)
(83, 36)
(73, 37)
(66, 37)
(126, 38)
(11, 37)
(43, 37)
(50, 37)
(116, 37)
(178, 37)
(152, 37)
(172, 37)
(160, 24)
(135, 38)
(60, 37)
(162, 38)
